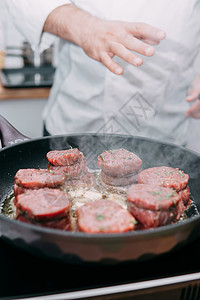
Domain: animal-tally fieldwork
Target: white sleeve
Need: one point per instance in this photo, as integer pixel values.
(29, 17)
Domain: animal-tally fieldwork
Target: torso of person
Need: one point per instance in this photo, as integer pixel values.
(146, 101)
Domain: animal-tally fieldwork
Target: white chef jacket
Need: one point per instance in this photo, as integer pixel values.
(146, 101)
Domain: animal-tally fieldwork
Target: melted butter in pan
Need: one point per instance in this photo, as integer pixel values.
(98, 191)
(8, 207)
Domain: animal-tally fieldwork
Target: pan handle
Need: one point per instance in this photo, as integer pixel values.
(9, 135)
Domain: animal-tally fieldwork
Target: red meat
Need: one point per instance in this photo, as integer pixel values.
(71, 171)
(118, 181)
(63, 157)
(164, 176)
(43, 204)
(119, 163)
(154, 206)
(63, 223)
(39, 178)
(103, 216)
(185, 196)
(19, 190)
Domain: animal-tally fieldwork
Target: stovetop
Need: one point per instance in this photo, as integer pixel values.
(22, 274)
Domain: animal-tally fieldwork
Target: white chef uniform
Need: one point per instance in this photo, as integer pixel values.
(148, 100)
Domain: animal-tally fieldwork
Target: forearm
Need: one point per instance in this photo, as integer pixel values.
(67, 22)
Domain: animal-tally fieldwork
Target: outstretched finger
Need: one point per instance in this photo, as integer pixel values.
(125, 54)
(151, 42)
(110, 64)
(192, 96)
(145, 31)
(138, 46)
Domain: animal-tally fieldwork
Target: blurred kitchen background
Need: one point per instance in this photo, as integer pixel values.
(25, 79)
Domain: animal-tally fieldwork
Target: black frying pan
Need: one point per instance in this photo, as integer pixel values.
(101, 248)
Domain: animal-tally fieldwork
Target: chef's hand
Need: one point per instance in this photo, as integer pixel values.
(194, 92)
(102, 39)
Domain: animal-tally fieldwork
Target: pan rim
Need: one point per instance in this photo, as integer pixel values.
(37, 139)
(152, 232)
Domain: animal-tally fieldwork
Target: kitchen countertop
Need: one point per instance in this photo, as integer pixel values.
(23, 93)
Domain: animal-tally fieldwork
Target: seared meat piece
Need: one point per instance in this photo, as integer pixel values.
(185, 196)
(164, 176)
(119, 163)
(154, 206)
(103, 216)
(119, 167)
(63, 157)
(76, 174)
(63, 223)
(39, 178)
(118, 181)
(28, 179)
(71, 171)
(43, 204)
(19, 190)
